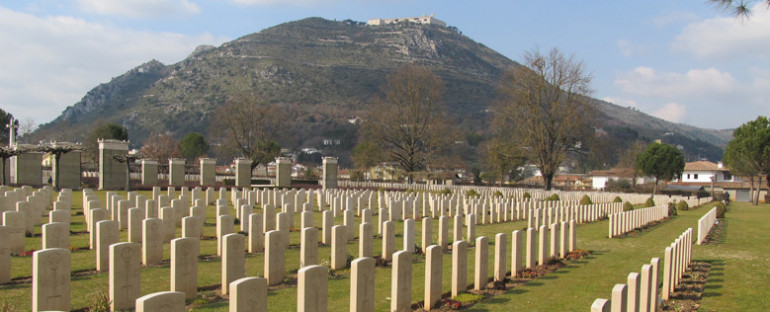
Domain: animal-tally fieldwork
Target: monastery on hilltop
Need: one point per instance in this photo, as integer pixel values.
(425, 19)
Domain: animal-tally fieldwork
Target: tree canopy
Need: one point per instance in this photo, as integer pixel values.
(542, 107)
(661, 161)
(748, 153)
(192, 146)
(249, 126)
(740, 8)
(410, 124)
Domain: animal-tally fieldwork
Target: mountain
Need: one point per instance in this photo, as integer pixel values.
(325, 73)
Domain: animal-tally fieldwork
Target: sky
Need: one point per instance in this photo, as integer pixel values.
(683, 61)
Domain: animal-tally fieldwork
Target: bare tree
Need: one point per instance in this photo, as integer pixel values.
(249, 126)
(501, 156)
(410, 123)
(544, 105)
(160, 147)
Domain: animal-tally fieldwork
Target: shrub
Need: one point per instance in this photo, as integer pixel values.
(682, 205)
(472, 193)
(672, 209)
(526, 195)
(445, 191)
(721, 210)
(649, 203)
(628, 206)
(618, 199)
(553, 197)
(498, 194)
(586, 200)
(99, 300)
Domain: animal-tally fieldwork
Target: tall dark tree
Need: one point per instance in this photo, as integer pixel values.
(410, 123)
(103, 131)
(748, 153)
(660, 161)
(543, 105)
(5, 119)
(192, 146)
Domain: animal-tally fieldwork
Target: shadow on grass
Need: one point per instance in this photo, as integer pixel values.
(714, 285)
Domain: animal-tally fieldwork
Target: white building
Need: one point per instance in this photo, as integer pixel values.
(425, 19)
(706, 172)
(599, 178)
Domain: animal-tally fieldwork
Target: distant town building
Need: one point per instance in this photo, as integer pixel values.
(425, 19)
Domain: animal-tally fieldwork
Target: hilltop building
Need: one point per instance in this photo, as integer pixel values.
(425, 19)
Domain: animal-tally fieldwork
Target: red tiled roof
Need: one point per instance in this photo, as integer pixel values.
(703, 165)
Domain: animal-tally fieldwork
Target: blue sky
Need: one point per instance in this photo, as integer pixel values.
(684, 61)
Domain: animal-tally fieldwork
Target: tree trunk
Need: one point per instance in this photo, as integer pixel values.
(751, 189)
(128, 178)
(57, 159)
(2, 175)
(654, 189)
(548, 178)
(755, 200)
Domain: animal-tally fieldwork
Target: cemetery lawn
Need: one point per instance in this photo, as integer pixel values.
(737, 281)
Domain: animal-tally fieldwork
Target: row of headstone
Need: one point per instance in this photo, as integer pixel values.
(705, 223)
(639, 294)
(534, 194)
(626, 221)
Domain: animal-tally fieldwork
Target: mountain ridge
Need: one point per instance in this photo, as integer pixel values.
(323, 73)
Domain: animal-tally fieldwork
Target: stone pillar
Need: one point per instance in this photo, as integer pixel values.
(282, 172)
(112, 174)
(274, 258)
(51, 269)
(482, 263)
(329, 177)
(69, 168)
(233, 259)
(401, 281)
(312, 289)
(125, 275)
(242, 172)
(176, 172)
(248, 294)
(362, 285)
(171, 301)
(459, 267)
(208, 174)
(27, 168)
(184, 266)
(434, 256)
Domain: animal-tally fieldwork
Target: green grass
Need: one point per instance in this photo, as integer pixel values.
(738, 267)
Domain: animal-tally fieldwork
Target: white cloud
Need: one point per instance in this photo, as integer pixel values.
(140, 8)
(695, 83)
(672, 112)
(728, 37)
(49, 63)
(621, 101)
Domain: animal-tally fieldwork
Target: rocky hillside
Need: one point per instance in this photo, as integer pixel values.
(323, 73)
